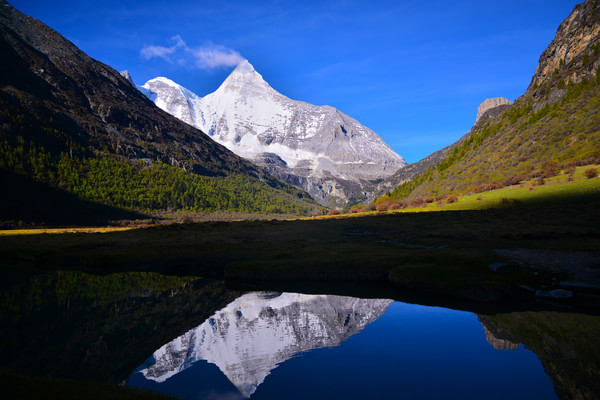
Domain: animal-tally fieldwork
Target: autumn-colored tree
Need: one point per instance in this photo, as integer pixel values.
(356, 209)
(591, 173)
(381, 207)
(451, 198)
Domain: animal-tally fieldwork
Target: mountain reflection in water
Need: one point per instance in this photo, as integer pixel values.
(402, 350)
(258, 331)
(70, 324)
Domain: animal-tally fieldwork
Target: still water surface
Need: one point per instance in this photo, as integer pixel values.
(273, 346)
(195, 339)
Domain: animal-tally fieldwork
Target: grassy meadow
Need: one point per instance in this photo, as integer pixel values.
(540, 237)
(565, 185)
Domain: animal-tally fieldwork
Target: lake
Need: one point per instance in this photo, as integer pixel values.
(194, 338)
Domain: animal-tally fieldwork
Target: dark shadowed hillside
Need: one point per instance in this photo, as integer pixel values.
(73, 123)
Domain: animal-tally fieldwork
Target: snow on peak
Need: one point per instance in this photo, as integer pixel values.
(246, 79)
(162, 79)
(250, 118)
(244, 68)
(125, 74)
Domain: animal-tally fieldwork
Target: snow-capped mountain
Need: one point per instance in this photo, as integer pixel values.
(258, 331)
(317, 148)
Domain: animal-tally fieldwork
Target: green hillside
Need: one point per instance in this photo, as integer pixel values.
(555, 124)
(77, 140)
(140, 185)
(506, 149)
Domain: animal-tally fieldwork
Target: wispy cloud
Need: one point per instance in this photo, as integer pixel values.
(209, 56)
(214, 56)
(149, 52)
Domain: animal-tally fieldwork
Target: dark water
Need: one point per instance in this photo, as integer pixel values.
(395, 350)
(194, 339)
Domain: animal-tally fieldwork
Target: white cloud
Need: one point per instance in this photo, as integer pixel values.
(209, 56)
(215, 56)
(149, 52)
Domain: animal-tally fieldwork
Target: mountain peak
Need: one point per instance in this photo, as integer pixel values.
(315, 147)
(164, 80)
(244, 75)
(125, 74)
(244, 68)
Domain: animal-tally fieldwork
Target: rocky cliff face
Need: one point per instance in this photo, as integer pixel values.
(571, 56)
(575, 37)
(489, 104)
(317, 148)
(499, 343)
(258, 331)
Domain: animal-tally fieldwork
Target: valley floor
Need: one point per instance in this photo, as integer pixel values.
(519, 253)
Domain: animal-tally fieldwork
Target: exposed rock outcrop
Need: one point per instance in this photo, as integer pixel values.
(575, 37)
(491, 103)
(498, 343)
(571, 57)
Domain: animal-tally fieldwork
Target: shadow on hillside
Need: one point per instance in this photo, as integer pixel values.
(26, 202)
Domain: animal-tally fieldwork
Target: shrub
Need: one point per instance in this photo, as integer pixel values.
(540, 180)
(486, 187)
(370, 207)
(506, 200)
(415, 203)
(395, 206)
(591, 173)
(383, 199)
(570, 170)
(356, 209)
(548, 173)
(451, 198)
(549, 169)
(513, 180)
(429, 199)
(381, 207)
(333, 212)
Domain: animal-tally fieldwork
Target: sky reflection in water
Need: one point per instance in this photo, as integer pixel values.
(298, 346)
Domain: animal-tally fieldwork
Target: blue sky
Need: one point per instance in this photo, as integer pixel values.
(413, 71)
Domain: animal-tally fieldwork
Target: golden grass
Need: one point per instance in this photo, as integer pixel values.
(39, 231)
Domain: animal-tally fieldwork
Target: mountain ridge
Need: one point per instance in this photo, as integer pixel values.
(317, 148)
(74, 123)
